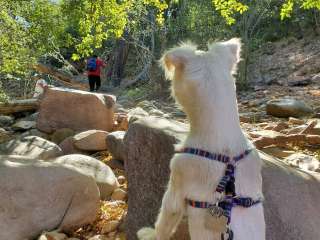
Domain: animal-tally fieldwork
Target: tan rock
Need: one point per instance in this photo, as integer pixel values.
(91, 140)
(110, 226)
(119, 194)
(67, 147)
(74, 109)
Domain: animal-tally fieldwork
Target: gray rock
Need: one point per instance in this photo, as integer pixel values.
(115, 144)
(136, 113)
(288, 108)
(35, 132)
(31, 146)
(150, 143)
(23, 125)
(103, 175)
(38, 196)
(91, 140)
(6, 121)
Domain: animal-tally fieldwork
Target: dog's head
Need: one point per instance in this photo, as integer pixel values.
(197, 75)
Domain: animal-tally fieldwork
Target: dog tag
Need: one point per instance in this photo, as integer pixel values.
(216, 224)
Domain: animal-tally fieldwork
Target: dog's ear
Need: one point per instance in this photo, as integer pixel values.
(175, 60)
(172, 63)
(234, 45)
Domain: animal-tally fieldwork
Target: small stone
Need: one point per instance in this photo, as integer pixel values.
(91, 140)
(295, 121)
(121, 180)
(99, 237)
(119, 194)
(110, 227)
(52, 236)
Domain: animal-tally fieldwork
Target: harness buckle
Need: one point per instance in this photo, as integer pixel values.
(216, 211)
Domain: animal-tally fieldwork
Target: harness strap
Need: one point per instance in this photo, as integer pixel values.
(226, 186)
(227, 203)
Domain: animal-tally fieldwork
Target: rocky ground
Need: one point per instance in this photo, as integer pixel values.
(281, 121)
(282, 118)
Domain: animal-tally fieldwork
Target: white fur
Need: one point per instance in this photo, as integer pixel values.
(203, 84)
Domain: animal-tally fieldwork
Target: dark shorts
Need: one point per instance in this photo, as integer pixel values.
(94, 83)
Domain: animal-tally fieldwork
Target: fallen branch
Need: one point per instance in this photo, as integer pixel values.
(15, 106)
(60, 76)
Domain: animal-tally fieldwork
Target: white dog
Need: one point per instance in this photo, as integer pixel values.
(203, 83)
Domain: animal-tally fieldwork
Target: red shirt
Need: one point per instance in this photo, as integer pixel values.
(97, 72)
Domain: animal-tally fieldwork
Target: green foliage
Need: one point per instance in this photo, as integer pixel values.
(28, 30)
(288, 6)
(97, 21)
(228, 8)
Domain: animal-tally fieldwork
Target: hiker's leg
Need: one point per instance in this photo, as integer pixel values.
(98, 83)
(91, 83)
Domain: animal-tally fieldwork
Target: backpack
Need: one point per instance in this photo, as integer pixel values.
(92, 64)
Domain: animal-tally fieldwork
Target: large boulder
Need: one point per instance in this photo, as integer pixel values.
(291, 196)
(91, 140)
(288, 108)
(38, 196)
(31, 146)
(103, 174)
(115, 144)
(75, 109)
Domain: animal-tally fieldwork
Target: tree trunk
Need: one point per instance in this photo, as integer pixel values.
(120, 59)
(19, 106)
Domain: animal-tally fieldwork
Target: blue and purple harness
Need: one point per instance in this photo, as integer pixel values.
(226, 186)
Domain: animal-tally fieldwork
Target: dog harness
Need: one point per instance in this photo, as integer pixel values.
(226, 185)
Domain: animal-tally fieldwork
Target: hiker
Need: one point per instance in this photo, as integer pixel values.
(94, 65)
